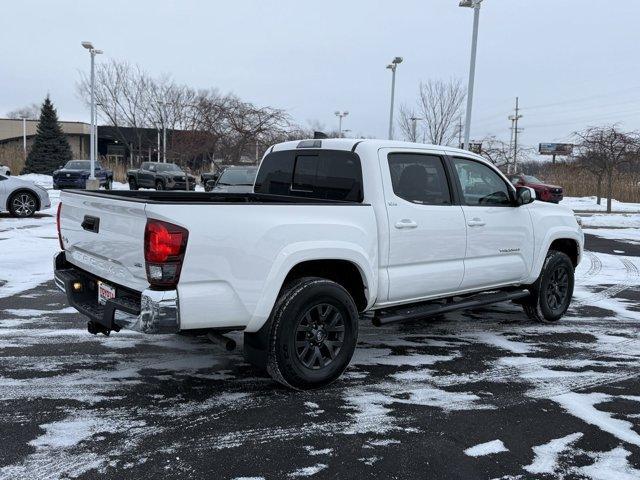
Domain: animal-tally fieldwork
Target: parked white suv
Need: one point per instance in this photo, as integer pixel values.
(22, 198)
(335, 228)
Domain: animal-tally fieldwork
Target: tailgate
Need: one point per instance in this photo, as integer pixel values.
(105, 236)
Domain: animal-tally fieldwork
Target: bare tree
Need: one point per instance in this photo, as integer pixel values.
(607, 149)
(440, 105)
(407, 123)
(30, 112)
(500, 153)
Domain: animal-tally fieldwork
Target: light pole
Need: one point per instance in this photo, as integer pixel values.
(392, 66)
(91, 182)
(414, 127)
(24, 137)
(475, 4)
(340, 116)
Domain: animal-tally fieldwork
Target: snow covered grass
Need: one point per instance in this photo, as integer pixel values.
(589, 204)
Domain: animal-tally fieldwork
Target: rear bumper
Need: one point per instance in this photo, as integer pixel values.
(149, 311)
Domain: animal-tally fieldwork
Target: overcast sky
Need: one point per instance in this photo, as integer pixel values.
(572, 63)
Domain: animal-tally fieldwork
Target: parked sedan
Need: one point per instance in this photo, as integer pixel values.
(21, 197)
(234, 179)
(76, 172)
(544, 191)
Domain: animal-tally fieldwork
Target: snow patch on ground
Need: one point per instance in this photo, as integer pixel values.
(612, 465)
(308, 471)
(582, 406)
(488, 448)
(546, 455)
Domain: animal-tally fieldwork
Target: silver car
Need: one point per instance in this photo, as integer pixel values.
(22, 198)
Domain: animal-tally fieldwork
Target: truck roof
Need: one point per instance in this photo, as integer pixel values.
(350, 144)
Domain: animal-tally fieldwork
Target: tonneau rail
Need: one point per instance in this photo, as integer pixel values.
(209, 198)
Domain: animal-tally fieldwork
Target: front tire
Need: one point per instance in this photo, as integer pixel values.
(313, 334)
(133, 185)
(23, 205)
(551, 293)
(159, 185)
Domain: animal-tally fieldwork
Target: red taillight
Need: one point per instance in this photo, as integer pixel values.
(164, 247)
(58, 225)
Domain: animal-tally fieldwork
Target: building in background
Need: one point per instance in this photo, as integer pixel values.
(13, 130)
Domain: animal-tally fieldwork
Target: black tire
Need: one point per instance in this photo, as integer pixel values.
(313, 330)
(551, 293)
(109, 184)
(159, 185)
(23, 204)
(133, 185)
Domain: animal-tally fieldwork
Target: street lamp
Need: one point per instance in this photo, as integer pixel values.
(24, 137)
(475, 4)
(414, 125)
(340, 116)
(392, 66)
(91, 181)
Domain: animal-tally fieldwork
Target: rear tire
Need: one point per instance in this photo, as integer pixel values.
(551, 293)
(109, 184)
(133, 185)
(313, 331)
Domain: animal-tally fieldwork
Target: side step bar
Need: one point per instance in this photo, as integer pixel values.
(420, 310)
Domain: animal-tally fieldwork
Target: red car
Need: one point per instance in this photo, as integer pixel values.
(544, 191)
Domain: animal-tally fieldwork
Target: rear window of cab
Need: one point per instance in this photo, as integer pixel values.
(318, 174)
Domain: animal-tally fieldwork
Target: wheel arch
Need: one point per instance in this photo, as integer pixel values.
(566, 241)
(349, 268)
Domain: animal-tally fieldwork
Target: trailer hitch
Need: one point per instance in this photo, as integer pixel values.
(95, 328)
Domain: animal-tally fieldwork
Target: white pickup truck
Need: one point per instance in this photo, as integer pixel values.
(334, 228)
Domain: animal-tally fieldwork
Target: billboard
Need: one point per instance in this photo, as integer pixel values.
(555, 148)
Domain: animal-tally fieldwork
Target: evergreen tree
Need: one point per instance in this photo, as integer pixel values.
(50, 146)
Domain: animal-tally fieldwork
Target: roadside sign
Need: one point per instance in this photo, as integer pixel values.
(555, 148)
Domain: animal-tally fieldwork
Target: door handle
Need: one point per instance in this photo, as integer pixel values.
(476, 222)
(406, 223)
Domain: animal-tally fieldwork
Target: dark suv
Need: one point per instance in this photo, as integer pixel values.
(544, 191)
(76, 172)
(161, 176)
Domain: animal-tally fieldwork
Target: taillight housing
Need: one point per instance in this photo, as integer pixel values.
(58, 225)
(164, 247)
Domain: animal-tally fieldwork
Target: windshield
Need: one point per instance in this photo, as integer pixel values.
(532, 179)
(238, 176)
(168, 167)
(80, 165)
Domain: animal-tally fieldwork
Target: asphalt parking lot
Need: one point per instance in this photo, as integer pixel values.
(476, 394)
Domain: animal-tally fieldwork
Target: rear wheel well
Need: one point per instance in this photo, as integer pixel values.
(343, 272)
(568, 247)
(23, 190)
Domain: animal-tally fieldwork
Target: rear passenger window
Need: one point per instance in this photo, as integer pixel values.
(419, 178)
(322, 174)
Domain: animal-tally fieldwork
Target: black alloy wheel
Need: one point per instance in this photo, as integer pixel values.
(319, 336)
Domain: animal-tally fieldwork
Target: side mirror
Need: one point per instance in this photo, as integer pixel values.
(60, 167)
(524, 195)
(216, 176)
